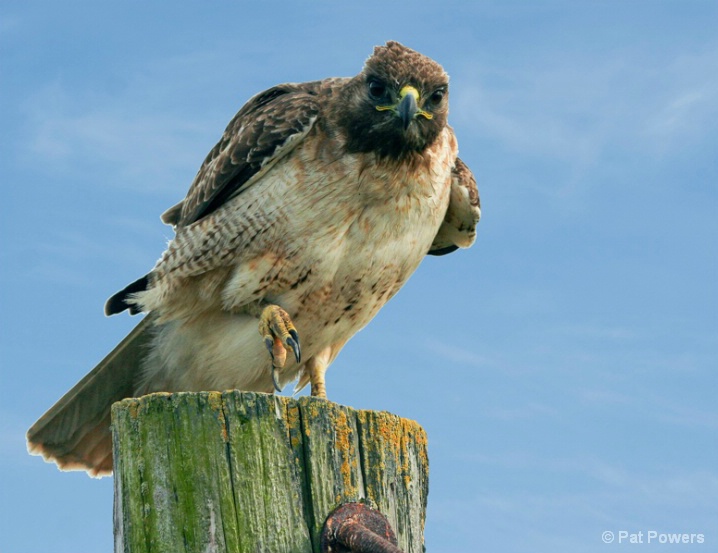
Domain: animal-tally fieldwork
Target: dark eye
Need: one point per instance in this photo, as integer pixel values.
(437, 97)
(377, 89)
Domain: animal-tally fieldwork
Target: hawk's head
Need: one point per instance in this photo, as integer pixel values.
(398, 104)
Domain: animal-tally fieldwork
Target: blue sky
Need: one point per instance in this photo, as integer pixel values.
(564, 367)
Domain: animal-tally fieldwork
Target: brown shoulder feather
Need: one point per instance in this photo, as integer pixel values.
(267, 127)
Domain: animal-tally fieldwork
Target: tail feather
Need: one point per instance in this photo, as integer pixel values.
(75, 432)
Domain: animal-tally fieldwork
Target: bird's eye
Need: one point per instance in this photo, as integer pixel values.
(437, 97)
(377, 89)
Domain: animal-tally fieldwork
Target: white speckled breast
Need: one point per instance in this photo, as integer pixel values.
(330, 247)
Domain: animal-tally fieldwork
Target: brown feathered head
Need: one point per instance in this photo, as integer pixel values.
(397, 105)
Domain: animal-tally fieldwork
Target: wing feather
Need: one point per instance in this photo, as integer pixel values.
(267, 128)
(459, 227)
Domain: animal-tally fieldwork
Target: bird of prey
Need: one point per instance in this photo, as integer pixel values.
(313, 209)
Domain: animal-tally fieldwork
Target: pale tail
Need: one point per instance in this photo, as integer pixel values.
(75, 432)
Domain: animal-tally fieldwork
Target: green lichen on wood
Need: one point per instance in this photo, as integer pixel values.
(247, 472)
(174, 474)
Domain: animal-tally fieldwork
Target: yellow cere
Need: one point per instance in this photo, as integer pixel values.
(408, 89)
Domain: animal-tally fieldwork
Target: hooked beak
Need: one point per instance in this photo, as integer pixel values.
(407, 108)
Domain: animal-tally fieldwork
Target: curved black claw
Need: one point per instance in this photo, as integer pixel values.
(293, 343)
(274, 379)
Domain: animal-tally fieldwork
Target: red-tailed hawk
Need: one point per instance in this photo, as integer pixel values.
(315, 207)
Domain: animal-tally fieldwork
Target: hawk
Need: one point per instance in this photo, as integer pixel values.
(313, 209)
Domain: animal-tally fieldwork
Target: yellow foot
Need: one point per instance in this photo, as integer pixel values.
(279, 333)
(316, 369)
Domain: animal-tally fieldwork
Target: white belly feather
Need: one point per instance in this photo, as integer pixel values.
(331, 252)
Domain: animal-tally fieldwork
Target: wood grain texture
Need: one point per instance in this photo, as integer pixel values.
(249, 472)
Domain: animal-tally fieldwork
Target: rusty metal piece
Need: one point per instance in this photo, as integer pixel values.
(356, 528)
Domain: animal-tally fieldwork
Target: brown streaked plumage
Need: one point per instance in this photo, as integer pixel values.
(314, 208)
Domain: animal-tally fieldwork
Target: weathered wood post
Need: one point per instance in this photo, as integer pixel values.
(244, 472)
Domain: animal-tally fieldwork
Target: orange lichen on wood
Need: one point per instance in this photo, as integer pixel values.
(293, 426)
(345, 446)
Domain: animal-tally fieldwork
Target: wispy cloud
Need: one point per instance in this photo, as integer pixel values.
(686, 106)
(604, 473)
(577, 110)
(574, 499)
(682, 413)
(458, 354)
(73, 133)
(528, 411)
(139, 132)
(67, 256)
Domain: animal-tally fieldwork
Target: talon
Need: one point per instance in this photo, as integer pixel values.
(279, 334)
(277, 387)
(293, 343)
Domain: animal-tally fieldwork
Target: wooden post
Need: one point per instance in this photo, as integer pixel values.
(247, 472)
